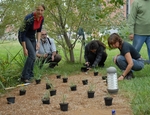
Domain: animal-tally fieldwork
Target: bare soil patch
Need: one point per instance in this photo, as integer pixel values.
(79, 103)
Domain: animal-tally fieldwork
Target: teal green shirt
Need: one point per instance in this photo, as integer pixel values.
(139, 18)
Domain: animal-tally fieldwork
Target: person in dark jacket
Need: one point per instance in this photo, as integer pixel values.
(31, 25)
(95, 54)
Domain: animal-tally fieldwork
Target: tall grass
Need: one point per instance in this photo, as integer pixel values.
(11, 63)
(136, 90)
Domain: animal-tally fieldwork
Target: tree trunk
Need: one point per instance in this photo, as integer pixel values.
(69, 45)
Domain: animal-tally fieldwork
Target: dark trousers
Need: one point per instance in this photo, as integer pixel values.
(57, 59)
(27, 71)
(92, 57)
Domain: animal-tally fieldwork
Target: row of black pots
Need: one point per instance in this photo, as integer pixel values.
(63, 106)
(95, 74)
(85, 69)
(108, 100)
(38, 81)
(12, 99)
(85, 81)
(23, 92)
(65, 80)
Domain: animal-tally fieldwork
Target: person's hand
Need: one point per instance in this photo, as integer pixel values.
(121, 78)
(52, 58)
(37, 45)
(87, 63)
(45, 55)
(131, 36)
(25, 51)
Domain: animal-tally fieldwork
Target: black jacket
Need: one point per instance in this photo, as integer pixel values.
(98, 53)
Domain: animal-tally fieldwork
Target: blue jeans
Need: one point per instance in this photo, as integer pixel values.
(27, 72)
(139, 40)
(122, 63)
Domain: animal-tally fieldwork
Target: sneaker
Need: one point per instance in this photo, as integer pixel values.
(25, 80)
(129, 76)
(146, 61)
(51, 65)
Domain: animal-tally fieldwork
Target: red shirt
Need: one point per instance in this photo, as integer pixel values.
(37, 23)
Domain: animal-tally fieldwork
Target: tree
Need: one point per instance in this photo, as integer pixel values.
(63, 18)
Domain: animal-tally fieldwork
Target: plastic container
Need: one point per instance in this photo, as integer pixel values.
(112, 82)
(113, 112)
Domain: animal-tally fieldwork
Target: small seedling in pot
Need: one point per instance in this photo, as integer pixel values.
(63, 104)
(46, 98)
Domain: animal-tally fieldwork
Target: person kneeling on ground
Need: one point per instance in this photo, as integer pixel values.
(128, 59)
(95, 54)
(47, 52)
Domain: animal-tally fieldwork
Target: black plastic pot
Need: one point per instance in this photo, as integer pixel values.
(104, 77)
(52, 92)
(48, 86)
(65, 80)
(108, 101)
(46, 101)
(58, 76)
(38, 81)
(95, 73)
(63, 106)
(84, 69)
(73, 88)
(90, 94)
(10, 100)
(22, 92)
(85, 82)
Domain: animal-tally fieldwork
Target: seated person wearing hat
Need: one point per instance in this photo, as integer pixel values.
(47, 52)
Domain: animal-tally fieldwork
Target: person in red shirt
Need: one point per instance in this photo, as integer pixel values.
(31, 25)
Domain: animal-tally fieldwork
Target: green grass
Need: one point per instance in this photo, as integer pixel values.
(136, 90)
